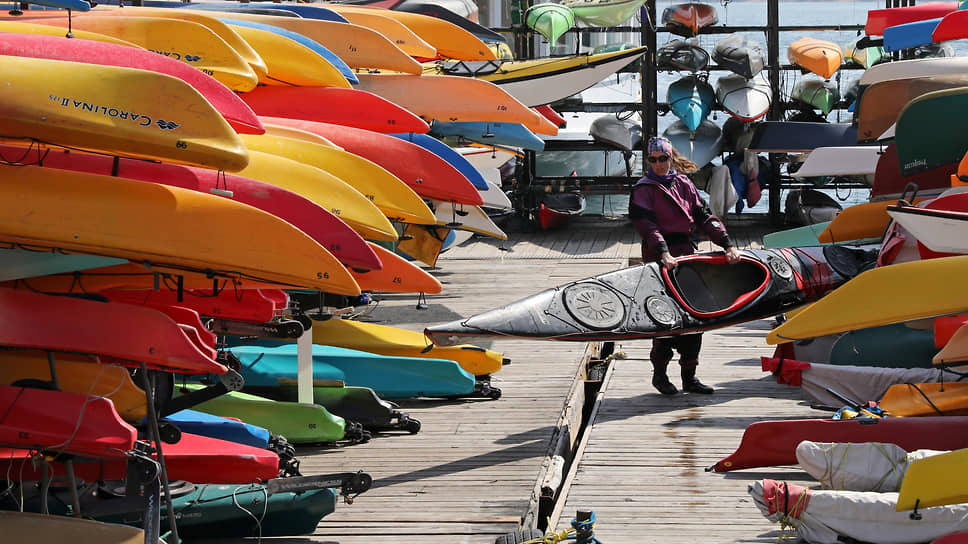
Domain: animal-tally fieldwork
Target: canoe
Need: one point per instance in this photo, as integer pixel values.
(947, 204)
(774, 443)
(689, 18)
(389, 377)
(603, 13)
(744, 99)
(45, 529)
(450, 40)
(879, 19)
(445, 152)
(700, 146)
(427, 174)
(85, 112)
(840, 161)
(230, 430)
(393, 197)
(90, 327)
(800, 137)
(227, 103)
(916, 68)
(883, 101)
(187, 41)
(918, 147)
(397, 275)
(865, 220)
(23, 263)
(808, 206)
(358, 46)
(83, 374)
(349, 107)
(739, 54)
(702, 292)
(550, 20)
(890, 184)
(543, 81)
(818, 56)
(47, 30)
(358, 404)
(120, 218)
(681, 55)
(311, 218)
(556, 209)
(951, 27)
(48, 420)
(909, 35)
(250, 305)
(453, 98)
(691, 99)
(299, 423)
(340, 198)
(938, 229)
(509, 134)
(839, 311)
(292, 59)
(933, 481)
(892, 346)
(815, 93)
(862, 56)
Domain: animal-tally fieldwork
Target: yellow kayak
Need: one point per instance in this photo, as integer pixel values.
(448, 39)
(298, 134)
(221, 29)
(360, 47)
(956, 350)
(925, 399)
(118, 111)
(75, 212)
(885, 295)
(77, 374)
(47, 30)
(393, 30)
(935, 481)
(867, 220)
(187, 41)
(394, 341)
(455, 98)
(323, 188)
(289, 62)
(395, 199)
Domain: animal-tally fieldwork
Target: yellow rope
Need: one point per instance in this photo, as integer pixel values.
(788, 522)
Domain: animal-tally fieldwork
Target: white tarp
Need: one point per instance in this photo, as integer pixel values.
(870, 466)
(863, 383)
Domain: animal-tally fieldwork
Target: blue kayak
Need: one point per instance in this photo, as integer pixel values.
(76, 5)
(445, 152)
(200, 423)
(22, 263)
(691, 99)
(509, 134)
(909, 35)
(310, 44)
(392, 377)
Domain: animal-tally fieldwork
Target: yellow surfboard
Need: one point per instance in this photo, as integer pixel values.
(885, 295)
(359, 47)
(935, 481)
(118, 111)
(289, 62)
(324, 189)
(395, 31)
(186, 41)
(47, 30)
(455, 98)
(77, 374)
(394, 341)
(75, 212)
(448, 39)
(395, 199)
(297, 134)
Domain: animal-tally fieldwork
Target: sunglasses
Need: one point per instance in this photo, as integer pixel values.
(660, 158)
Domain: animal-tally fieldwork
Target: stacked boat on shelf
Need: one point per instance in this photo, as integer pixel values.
(161, 208)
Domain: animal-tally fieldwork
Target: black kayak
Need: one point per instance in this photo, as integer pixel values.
(701, 292)
(740, 55)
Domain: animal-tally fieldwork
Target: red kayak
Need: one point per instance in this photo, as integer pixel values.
(772, 443)
(249, 305)
(40, 419)
(196, 459)
(191, 325)
(552, 116)
(954, 26)
(427, 174)
(232, 108)
(346, 107)
(879, 19)
(953, 538)
(888, 181)
(121, 331)
(316, 221)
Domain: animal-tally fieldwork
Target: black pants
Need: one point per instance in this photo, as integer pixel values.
(688, 346)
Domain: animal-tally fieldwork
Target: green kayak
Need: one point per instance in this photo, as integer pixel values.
(804, 237)
(550, 20)
(817, 93)
(895, 346)
(299, 423)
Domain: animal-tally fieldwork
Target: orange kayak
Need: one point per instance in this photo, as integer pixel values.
(398, 275)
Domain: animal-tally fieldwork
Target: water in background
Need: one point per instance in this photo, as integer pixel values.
(625, 87)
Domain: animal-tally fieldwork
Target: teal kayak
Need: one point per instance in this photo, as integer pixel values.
(805, 236)
(691, 99)
(895, 346)
(389, 377)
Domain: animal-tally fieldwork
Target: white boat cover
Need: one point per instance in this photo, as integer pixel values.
(821, 517)
(722, 194)
(870, 466)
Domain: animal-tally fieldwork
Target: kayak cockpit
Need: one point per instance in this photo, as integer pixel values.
(706, 286)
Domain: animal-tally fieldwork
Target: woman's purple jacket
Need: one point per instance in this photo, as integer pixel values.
(667, 212)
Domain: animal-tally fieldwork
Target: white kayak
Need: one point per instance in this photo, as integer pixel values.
(908, 69)
(858, 160)
(486, 157)
(462, 217)
(722, 194)
(744, 99)
(865, 466)
(943, 231)
(700, 146)
(494, 197)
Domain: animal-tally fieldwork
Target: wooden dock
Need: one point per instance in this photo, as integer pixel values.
(475, 469)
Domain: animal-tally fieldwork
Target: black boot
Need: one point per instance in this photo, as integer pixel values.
(660, 380)
(692, 384)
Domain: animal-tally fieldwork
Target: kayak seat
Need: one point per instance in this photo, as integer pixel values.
(710, 289)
